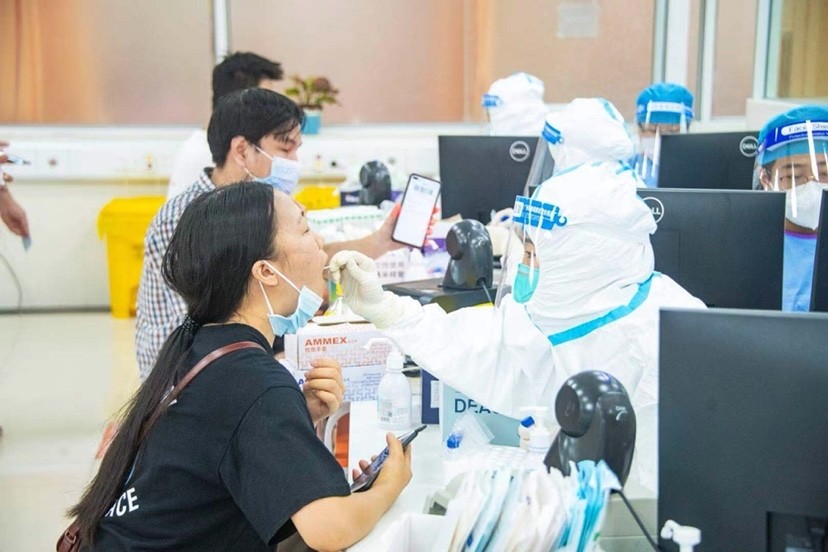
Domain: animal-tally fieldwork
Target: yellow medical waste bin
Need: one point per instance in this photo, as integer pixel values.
(123, 222)
(317, 196)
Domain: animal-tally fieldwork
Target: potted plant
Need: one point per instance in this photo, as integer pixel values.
(312, 93)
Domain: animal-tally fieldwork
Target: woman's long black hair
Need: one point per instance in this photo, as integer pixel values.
(218, 239)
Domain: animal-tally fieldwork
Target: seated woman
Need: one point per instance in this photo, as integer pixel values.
(234, 462)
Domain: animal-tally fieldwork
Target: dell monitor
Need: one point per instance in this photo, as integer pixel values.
(724, 247)
(718, 160)
(819, 288)
(743, 412)
(481, 174)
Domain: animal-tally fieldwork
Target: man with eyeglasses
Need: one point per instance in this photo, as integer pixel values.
(793, 158)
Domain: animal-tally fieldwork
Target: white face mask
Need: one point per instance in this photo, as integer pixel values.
(650, 147)
(646, 144)
(802, 205)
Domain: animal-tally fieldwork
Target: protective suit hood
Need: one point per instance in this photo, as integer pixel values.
(515, 105)
(587, 130)
(596, 261)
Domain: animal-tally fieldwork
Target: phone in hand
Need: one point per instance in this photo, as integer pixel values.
(367, 477)
(416, 211)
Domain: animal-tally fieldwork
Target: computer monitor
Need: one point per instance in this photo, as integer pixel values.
(717, 160)
(481, 174)
(743, 411)
(819, 288)
(723, 246)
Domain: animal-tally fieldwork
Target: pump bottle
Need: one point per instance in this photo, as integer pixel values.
(394, 408)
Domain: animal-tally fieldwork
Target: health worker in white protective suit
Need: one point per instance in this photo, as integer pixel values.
(515, 105)
(595, 304)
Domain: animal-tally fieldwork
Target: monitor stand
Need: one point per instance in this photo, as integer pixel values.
(432, 291)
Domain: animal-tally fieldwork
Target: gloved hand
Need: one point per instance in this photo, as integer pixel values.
(363, 291)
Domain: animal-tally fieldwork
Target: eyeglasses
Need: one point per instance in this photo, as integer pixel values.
(795, 174)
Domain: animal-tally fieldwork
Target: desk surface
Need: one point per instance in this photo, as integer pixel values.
(368, 439)
(619, 534)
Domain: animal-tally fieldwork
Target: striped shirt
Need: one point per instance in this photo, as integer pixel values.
(160, 309)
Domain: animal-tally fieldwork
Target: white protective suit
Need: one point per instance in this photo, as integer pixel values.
(595, 307)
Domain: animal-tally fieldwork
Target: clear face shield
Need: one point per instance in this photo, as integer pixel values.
(660, 118)
(520, 271)
(519, 262)
(794, 159)
(543, 165)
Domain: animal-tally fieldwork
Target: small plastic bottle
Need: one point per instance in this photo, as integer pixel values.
(540, 441)
(538, 415)
(452, 457)
(394, 393)
(524, 430)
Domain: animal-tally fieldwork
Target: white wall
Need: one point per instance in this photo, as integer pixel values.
(66, 265)
(76, 171)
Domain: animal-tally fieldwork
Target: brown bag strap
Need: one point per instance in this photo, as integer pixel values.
(185, 381)
(69, 540)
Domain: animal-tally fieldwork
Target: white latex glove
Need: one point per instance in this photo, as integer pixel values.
(363, 291)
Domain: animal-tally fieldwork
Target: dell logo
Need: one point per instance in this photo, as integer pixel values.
(748, 146)
(656, 207)
(519, 151)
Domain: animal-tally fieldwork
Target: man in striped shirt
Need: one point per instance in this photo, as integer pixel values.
(249, 129)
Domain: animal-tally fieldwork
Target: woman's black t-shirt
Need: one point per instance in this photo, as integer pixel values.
(229, 463)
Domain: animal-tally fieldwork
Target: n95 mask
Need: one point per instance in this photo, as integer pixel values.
(802, 204)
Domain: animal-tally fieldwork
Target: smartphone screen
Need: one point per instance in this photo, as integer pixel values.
(366, 478)
(417, 209)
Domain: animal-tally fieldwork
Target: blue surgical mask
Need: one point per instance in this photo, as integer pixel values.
(309, 303)
(284, 173)
(525, 283)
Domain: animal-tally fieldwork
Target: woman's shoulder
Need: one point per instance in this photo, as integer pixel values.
(253, 369)
(256, 367)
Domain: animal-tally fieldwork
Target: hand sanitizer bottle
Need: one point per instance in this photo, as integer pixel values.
(394, 394)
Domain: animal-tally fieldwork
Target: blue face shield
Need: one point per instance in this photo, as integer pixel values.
(309, 302)
(526, 281)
